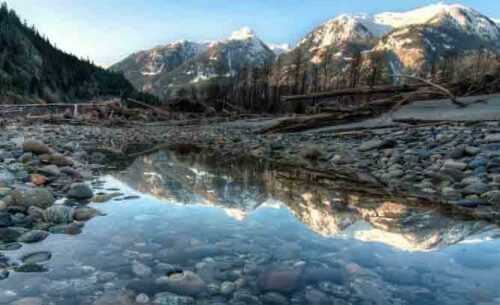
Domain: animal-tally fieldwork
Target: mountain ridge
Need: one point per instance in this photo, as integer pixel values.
(217, 59)
(411, 42)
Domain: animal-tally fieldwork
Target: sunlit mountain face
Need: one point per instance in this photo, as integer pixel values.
(332, 209)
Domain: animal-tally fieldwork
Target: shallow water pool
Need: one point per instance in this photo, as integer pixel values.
(193, 230)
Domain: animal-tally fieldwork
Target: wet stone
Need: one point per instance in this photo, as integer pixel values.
(36, 257)
(80, 191)
(39, 197)
(227, 288)
(10, 246)
(5, 220)
(4, 273)
(30, 268)
(58, 214)
(50, 170)
(70, 229)
(33, 236)
(84, 213)
(36, 147)
(9, 234)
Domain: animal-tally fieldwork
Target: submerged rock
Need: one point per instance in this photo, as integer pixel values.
(28, 301)
(70, 229)
(185, 283)
(279, 280)
(4, 273)
(30, 268)
(167, 298)
(273, 298)
(36, 257)
(141, 270)
(10, 246)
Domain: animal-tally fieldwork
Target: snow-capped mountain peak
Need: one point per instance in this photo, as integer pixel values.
(461, 16)
(420, 15)
(367, 21)
(244, 33)
(279, 49)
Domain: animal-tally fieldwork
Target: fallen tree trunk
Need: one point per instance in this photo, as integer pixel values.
(317, 121)
(442, 89)
(155, 109)
(355, 91)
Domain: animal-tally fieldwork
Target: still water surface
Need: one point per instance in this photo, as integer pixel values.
(214, 232)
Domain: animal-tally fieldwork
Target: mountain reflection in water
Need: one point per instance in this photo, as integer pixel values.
(192, 230)
(330, 209)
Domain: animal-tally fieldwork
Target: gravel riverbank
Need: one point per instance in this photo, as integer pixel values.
(454, 163)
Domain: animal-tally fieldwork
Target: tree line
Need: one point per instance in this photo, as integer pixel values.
(31, 66)
(260, 89)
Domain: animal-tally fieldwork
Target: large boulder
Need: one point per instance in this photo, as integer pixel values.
(36, 147)
(80, 191)
(58, 214)
(39, 197)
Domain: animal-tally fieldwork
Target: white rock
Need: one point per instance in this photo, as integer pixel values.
(142, 299)
(140, 269)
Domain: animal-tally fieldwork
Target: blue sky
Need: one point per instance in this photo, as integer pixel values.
(107, 30)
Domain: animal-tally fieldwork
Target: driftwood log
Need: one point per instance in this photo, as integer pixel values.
(390, 89)
(316, 121)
